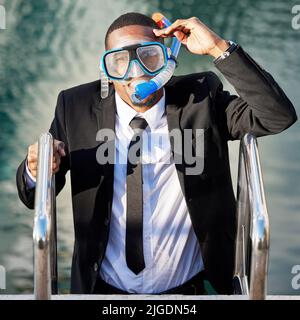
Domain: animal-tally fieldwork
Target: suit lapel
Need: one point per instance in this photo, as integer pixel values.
(106, 118)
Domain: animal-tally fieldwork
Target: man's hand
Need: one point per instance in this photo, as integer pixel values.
(32, 157)
(196, 36)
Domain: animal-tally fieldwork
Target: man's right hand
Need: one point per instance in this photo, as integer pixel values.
(32, 157)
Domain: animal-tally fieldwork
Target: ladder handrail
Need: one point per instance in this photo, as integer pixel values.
(253, 231)
(44, 230)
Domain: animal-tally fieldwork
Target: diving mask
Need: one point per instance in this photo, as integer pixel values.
(128, 62)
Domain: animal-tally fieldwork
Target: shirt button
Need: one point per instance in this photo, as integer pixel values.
(95, 266)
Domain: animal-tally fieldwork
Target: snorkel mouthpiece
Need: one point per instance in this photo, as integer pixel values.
(145, 89)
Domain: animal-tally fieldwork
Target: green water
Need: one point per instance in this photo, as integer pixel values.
(52, 45)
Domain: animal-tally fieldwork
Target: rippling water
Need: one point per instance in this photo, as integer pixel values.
(52, 45)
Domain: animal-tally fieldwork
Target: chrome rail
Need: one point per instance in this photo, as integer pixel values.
(44, 230)
(253, 234)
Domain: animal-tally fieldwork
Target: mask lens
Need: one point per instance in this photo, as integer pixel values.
(152, 57)
(117, 63)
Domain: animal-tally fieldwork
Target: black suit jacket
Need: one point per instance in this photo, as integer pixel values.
(192, 101)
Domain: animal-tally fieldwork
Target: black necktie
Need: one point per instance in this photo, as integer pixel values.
(134, 218)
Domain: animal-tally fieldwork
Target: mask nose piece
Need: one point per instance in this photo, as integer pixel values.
(135, 70)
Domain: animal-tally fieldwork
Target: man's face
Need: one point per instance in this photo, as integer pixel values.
(127, 36)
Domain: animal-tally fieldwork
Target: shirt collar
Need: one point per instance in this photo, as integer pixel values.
(154, 116)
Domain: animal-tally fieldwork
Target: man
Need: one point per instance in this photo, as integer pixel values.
(184, 230)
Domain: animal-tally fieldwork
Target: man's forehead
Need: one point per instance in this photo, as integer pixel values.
(129, 35)
(125, 42)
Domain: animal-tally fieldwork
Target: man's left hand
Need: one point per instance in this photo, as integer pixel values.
(196, 36)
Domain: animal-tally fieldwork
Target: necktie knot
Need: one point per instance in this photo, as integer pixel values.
(138, 123)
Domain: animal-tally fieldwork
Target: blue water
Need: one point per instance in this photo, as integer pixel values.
(52, 45)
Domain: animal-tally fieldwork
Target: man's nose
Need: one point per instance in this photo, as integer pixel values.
(135, 70)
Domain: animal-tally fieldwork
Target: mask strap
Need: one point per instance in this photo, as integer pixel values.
(104, 84)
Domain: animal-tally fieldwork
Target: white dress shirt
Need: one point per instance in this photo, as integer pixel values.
(171, 251)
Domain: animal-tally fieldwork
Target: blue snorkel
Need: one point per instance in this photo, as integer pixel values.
(143, 90)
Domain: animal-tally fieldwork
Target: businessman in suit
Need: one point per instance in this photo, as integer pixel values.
(154, 227)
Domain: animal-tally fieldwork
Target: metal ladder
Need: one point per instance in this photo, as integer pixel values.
(252, 240)
(44, 228)
(253, 231)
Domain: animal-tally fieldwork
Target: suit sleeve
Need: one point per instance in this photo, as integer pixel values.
(262, 108)
(58, 131)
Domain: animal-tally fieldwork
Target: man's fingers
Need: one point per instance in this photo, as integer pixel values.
(178, 25)
(32, 154)
(59, 147)
(164, 33)
(181, 36)
(32, 166)
(33, 173)
(56, 160)
(61, 150)
(55, 164)
(32, 157)
(32, 151)
(55, 170)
